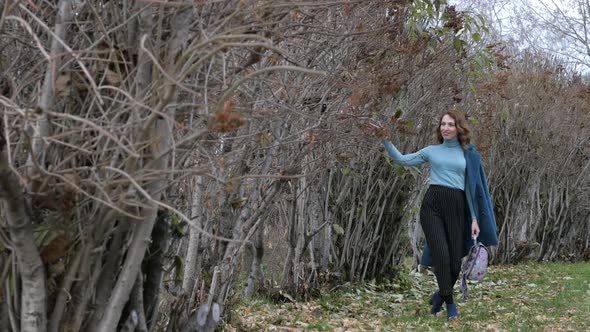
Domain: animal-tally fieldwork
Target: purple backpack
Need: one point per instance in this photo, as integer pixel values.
(474, 267)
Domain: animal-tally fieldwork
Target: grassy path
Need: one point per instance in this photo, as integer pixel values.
(531, 297)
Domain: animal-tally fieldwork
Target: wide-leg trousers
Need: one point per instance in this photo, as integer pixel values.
(442, 216)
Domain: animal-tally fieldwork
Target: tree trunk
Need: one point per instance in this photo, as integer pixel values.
(300, 229)
(315, 220)
(109, 270)
(153, 267)
(136, 305)
(64, 293)
(34, 297)
(142, 230)
(326, 235)
(242, 232)
(192, 267)
(45, 103)
(256, 277)
(128, 275)
(4, 318)
(292, 238)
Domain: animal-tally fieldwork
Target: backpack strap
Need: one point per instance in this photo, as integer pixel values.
(464, 289)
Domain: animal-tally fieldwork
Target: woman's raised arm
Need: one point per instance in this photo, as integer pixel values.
(411, 159)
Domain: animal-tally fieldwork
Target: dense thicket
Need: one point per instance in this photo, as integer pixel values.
(157, 158)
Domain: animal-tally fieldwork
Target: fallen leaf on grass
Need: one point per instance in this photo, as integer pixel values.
(494, 328)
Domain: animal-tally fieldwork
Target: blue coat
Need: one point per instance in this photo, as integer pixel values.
(475, 178)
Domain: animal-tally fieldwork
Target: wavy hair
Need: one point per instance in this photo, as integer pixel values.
(463, 131)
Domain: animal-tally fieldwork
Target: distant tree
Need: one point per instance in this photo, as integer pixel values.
(559, 28)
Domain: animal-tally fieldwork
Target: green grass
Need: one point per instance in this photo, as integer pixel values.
(530, 297)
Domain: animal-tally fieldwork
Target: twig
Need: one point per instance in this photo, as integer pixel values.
(71, 51)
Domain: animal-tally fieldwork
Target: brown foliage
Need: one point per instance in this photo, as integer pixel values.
(454, 19)
(56, 248)
(227, 119)
(531, 121)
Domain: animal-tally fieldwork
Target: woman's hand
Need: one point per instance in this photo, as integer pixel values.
(377, 130)
(474, 228)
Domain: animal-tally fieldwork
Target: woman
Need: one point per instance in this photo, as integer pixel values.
(458, 192)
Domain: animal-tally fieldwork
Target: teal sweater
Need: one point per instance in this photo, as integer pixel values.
(447, 164)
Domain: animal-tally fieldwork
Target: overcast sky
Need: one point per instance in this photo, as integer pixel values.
(512, 20)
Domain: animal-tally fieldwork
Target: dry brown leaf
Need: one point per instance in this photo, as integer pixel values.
(113, 78)
(56, 249)
(62, 85)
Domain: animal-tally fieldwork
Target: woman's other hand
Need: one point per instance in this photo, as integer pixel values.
(474, 228)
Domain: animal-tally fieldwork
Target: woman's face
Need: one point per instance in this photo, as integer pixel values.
(448, 130)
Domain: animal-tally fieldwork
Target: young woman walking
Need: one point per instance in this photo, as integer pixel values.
(455, 206)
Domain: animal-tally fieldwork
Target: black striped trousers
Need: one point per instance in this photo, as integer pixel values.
(442, 216)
